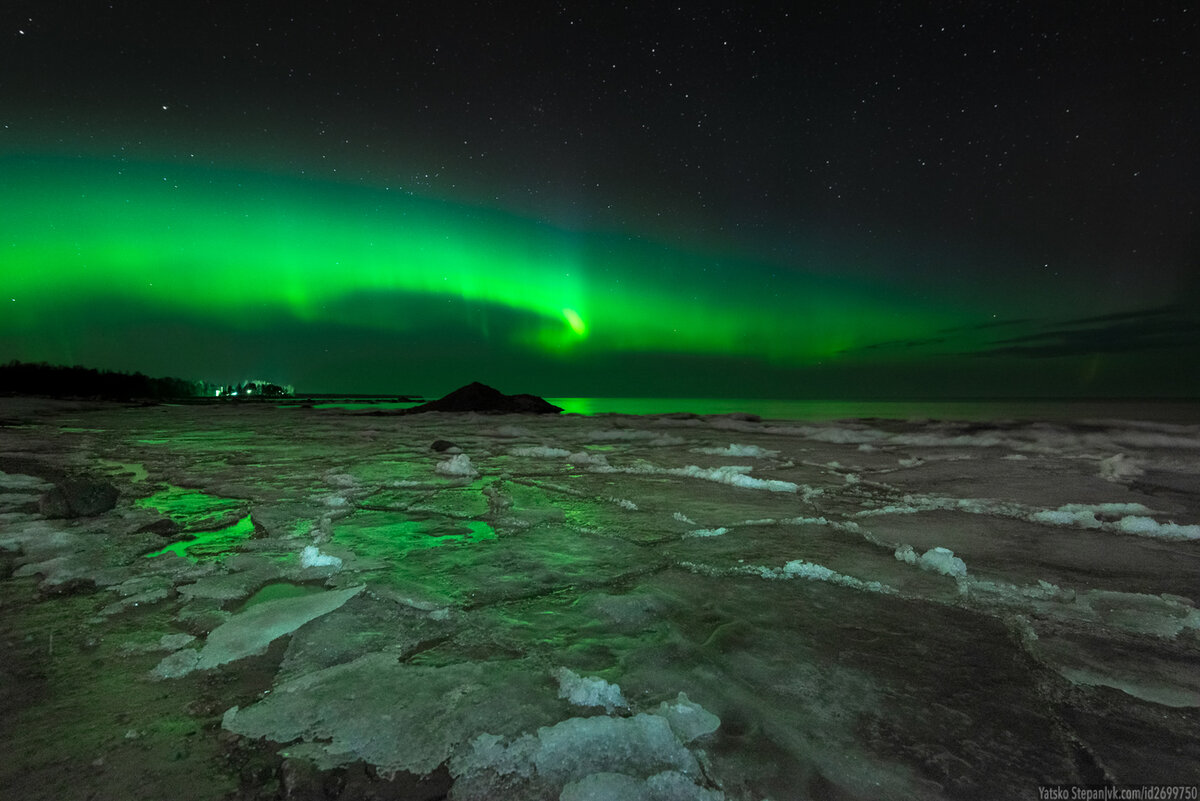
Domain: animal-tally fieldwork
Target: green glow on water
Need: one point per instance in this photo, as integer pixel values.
(210, 544)
(818, 410)
(280, 589)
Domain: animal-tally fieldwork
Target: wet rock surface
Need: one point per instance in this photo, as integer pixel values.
(78, 498)
(660, 607)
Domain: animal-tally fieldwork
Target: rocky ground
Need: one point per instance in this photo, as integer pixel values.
(258, 603)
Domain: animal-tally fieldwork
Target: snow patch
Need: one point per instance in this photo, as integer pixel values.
(589, 690)
(942, 560)
(458, 465)
(311, 556)
(584, 458)
(688, 719)
(1119, 467)
(739, 450)
(1149, 527)
(798, 568)
(935, 560)
(707, 532)
(540, 451)
(734, 475)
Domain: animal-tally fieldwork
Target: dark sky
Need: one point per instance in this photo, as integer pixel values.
(701, 199)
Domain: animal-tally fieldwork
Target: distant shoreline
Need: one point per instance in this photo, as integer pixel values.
(1155, 410)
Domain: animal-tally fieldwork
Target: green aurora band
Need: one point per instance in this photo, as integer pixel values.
(244, 249)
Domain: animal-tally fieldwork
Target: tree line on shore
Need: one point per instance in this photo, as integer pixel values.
(58, 381)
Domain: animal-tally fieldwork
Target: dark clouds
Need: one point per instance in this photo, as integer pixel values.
(1166, 330)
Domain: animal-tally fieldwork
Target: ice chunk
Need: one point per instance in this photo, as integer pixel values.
(905, 553)
(1138, 687)
(1083, 514)
(341, 480)
(511, 431)
(942, 560)
(839, 436)
(585, 458)
(541, 451)
(401, 716)
(707, 532)
(311, 556)
(642, 745)
(568, 753)
(666, 786)
(734, 475)
(605, 787)
(797, 568)
(1084, 518)
(177, 664)
(588, 690)
(688, 719)
(671, 785)
(1119, 467)
(1149, 527)
(631, 435)
(251, 631)
(739, 450)
(457, 465)
(489, 752)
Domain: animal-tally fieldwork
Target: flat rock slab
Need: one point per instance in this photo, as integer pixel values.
(251, 631)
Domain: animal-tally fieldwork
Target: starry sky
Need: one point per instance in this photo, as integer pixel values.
(702, 199)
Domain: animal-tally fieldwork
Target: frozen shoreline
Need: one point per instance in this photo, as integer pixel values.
(897, 609)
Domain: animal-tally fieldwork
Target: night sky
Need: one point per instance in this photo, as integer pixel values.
(681, 199)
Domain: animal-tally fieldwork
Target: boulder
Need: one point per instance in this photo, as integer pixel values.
(78, 498)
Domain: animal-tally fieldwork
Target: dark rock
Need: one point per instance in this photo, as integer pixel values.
(78, 498)
(441, 445)
(476, 397)
(302, 781)
(72, 585)
(163, 527)
(364, 783)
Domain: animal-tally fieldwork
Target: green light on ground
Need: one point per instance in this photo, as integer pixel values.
(209, 544)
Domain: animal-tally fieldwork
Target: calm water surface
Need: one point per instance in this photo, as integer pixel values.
(817, 410)
(1158, 411)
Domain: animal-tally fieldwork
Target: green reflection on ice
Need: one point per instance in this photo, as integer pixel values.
(390, 538)
(210, 544)
(191, 509)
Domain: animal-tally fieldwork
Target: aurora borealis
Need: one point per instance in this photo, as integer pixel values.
(193, 208)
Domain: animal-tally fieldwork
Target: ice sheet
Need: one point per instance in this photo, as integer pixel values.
(659, 607)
